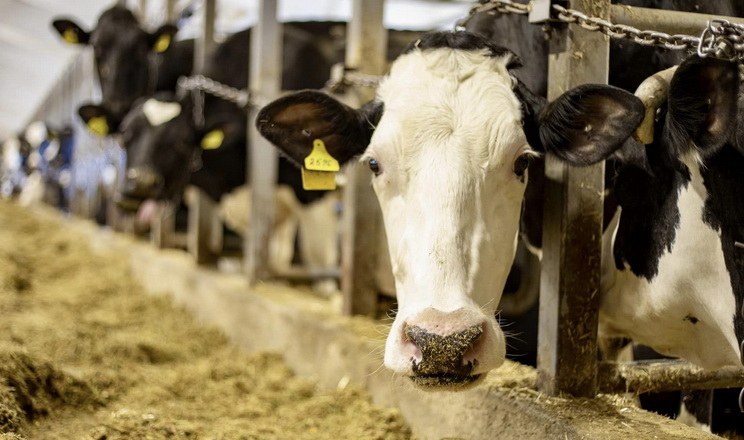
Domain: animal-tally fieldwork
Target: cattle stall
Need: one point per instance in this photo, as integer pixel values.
(569, 280)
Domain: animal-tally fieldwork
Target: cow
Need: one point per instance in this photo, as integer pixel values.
(130, 62)
(168, 146)
(449, 138)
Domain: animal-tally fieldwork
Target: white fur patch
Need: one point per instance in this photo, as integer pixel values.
(159, 112)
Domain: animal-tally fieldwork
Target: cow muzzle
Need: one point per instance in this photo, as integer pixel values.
(448, 348)
(139, 184)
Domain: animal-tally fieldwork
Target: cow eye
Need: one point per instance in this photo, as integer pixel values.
(521, 164)
(374, 166)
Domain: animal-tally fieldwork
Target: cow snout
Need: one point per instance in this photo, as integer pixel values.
(444, 355)
(449, 349)
(139, 184)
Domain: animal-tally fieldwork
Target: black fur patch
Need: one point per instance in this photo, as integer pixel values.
(723, 177)
(463, 41)
(648, 194)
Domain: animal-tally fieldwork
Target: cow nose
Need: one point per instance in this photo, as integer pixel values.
(142, 182)
(444, 355)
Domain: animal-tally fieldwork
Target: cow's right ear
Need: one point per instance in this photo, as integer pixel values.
(97, 119)
(71, 32)
(294, 122)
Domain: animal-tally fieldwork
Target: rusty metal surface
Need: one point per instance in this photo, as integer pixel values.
(572, 232)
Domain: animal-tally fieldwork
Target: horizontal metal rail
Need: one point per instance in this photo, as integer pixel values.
(307, 273)
(664, 375)
(662, 20)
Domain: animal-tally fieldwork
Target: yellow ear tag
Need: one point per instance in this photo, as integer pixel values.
(163, 43)
(98, 125)
(70, 36)
(213, 140)
(318, 180)
(319, 159)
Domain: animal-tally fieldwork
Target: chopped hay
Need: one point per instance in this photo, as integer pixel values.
(85, 354)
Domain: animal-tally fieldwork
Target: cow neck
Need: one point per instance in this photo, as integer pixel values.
(648, 193)
(724, 212)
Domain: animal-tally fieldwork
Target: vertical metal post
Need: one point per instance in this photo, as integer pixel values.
(362, 219)
(202, 209)
(170, 11)
(265, 81)
(572, 229)
(205, 42)
(142, 11)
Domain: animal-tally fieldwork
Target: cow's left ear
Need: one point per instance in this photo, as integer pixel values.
(71, 32)
(161, 39)
(295, 122)
(588, 123)
(703, 96)
(97, 119)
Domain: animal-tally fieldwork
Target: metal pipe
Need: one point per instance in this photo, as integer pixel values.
(205, 42)
(666, 375)
(661, 20)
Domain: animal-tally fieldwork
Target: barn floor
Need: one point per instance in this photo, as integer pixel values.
(125, 365)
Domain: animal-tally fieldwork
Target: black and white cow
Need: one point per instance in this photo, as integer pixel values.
(449, 138)
(169, 147)
(130, 62)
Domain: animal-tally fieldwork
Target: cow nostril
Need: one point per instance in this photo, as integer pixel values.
(445, 354)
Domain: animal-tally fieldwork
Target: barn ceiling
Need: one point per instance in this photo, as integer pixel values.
(32, 58)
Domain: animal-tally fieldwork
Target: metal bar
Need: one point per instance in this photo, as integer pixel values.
(661, 20)
(205, 42)
(199, 236)
(202, 209)
(362, 220)
(142, 11)
(170, 11)
(572, 229)
(307, 273)
(662, 376)
(265, 80)
(163, 226)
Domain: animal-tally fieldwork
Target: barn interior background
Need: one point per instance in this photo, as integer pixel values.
(43, 79)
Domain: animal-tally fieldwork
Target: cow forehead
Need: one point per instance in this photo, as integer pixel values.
(437, 100)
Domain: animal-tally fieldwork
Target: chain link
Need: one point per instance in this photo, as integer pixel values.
(720, 39)
(343, 77)
(239, 97)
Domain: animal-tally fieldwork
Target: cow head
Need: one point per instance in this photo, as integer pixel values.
(122, 51)
(164, 146)
(448, 139)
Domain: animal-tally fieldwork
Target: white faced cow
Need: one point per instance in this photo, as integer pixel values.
(449, 138)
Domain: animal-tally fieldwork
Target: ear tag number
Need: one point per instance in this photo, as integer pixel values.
(163, 43)
(98, 126)
(70, 36)
(319, 159)
(213, 140)
(318, 180)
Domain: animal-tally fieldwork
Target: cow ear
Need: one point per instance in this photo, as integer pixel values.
(588, 123)
(294, 122)
(97, 119)
(702, 103)
(71, 32)
(161, 39)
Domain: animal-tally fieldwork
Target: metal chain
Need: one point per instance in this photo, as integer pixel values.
(239, 97)
(343, 77)
(720, 39)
